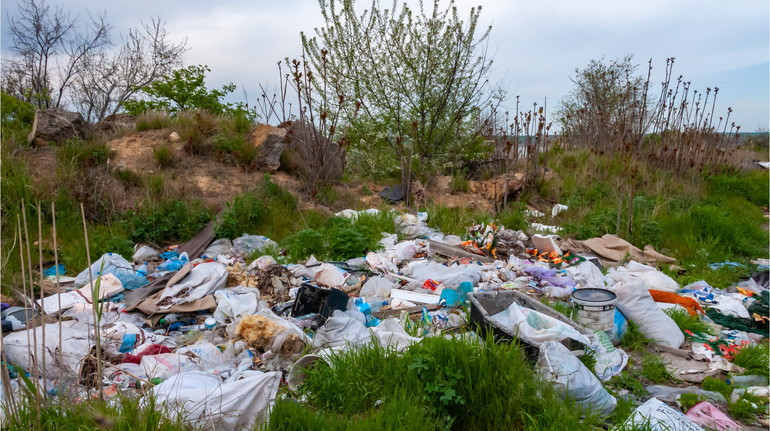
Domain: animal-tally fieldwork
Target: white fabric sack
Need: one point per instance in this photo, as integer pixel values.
(536, 328)
(659, 417)
(76, 345)
(201, 281)
(339, 331)
(636, 303)
(391, 334)
(202, 399)
(570, 376)
(143, 253)
(165, 365)
(609, 360)
(221, 246)
(209, 355)
(587, 274)
(651, 277)
(231, 305)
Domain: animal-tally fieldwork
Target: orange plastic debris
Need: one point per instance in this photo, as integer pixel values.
(690, 304)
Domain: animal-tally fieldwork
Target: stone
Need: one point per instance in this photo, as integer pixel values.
(270, 142)
(58, 125)
(174, 137)
(442, 184)
(116, 122)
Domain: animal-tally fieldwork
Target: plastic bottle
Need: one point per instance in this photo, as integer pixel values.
(169, 319)
(143, 270)
(377, 304)
(207, 325)
(746, 381)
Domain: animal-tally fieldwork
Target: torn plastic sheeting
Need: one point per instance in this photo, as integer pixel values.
(637, 305)
(341, 331)
(655, 415)
(221, 246)
(201, 281)
(231, 305)
(380, 263)
(536, 328)
(558, 209)
(113, 264)
(248, 244)
(416, 297)
(165, 365)
(731, 306)
(76, 346)
(203, 399)
(571, 377)
(666, 393)
(709, 416)
(109, 285)
(451, 276)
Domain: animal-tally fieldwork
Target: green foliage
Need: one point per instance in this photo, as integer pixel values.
(305, 243)
(166, 221)
(346, 242)
(654, 370)
(16, 117)
(589, 359)
(83, 154)
(751, 186)
(195, 128)
(184, 89)
(365, 190)
(240, 216)
(436, 128)
(128, 177)
(755, 359)
(459, 183)
(716, 385)
(235, 149)
(460, 383)
(164, 155)
(685, 322)
(633, 339)
(628, 380)
(747, 407)
(689, 400)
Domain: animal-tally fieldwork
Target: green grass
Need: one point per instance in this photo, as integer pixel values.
(165, 222)
(164, 155)
(457, 220)
(747, 408)
(152, 120)
(461, 384)
(120, 414)
(754, 359)
(686, 322)
(654, 370)
(689, 400)
(633, 339)
(717, 385)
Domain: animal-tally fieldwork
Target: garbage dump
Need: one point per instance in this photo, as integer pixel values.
(215, 336)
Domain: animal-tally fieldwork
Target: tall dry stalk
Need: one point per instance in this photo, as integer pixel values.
(58, 290)
(31, 298)
(94, 301)
(42, 293)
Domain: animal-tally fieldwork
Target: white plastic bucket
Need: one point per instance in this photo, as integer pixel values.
(595, 308)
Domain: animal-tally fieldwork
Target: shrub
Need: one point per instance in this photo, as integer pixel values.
(459, 183)
(128, 177)
(164, 155)
(305, 243)
(166, 222)
(235, 149)
(195, 128)
(240, 216)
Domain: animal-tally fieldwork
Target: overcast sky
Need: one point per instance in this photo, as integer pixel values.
(537, 45)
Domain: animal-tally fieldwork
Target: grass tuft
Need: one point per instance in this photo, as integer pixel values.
(755, 359)
(654, 370)
(686, 322)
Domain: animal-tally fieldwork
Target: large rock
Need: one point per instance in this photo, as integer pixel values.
(57, 125)
(495, 189)
(116, 122)
(270, 142)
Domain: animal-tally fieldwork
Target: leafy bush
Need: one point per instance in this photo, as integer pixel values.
(305, 243)
(747, 407)
(166, 222)
(16, 118)
(240, 216)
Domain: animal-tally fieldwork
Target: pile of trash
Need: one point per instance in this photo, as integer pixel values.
(201, 317)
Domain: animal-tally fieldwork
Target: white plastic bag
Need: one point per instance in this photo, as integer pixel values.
(112, 261)
(587, 274)
(202, 399)
(655, 415)
(165, 365)
(536, 328)
(341, 331)
(391, 333)
(637, 305)
(247, 244)
(201, 281)
(573, 378)
(376, 286)
(330, 276)
(451, 276)
(652, 278)
(609, 360)
(231, 305)
(221, 246)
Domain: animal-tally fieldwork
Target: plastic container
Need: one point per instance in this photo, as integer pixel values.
(746, 381)
(595, 308)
